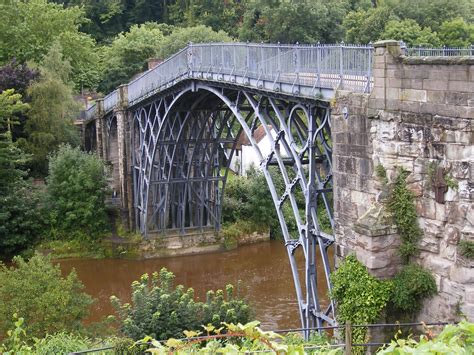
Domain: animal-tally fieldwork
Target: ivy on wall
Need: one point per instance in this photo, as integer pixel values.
(402, 206)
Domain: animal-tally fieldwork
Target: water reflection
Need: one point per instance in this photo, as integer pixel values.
(263, 269)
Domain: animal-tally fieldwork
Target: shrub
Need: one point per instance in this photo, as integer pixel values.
(61, 343)
(454, 339)
(360, 297)
(77, 188)
(410, 286)
(36, 290)
(161, 310)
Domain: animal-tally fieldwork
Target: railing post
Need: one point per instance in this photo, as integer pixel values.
(248, 56)
(189, 52)
(369, 69)
(341, 66)
(297, 58)
(348, 339)
(279, 58)
(318, 63)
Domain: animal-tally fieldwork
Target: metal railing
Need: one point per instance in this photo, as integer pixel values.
(347, 344)
(439, 52)
(111, 100)
(293, 69)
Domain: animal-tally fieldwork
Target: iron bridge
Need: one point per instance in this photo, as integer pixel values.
(184, 116)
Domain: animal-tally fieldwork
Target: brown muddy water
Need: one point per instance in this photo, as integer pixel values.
(263, 269)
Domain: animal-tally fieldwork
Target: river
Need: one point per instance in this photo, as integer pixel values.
(263, 269)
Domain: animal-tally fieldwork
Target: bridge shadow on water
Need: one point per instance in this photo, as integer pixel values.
(263, 268)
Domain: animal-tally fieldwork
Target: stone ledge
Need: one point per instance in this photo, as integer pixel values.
(438, 60)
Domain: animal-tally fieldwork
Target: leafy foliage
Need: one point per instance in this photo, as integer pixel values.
(53, 304)
(127, 54)
(360, 297)
(29, 28)
(402, 206)
(161, 310)
(410, 286)
(466, 248)
(15, 343)
(457, 33)
(180, 37)
(14, 75)
(53, 107)
(238, 338)
(411, 33)
(61, 343)
(76, 189)
(454, 339)
(20, 219)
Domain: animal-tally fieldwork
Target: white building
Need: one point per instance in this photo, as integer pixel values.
(245, 155)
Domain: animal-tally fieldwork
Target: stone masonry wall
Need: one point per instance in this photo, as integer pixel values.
(419, 116)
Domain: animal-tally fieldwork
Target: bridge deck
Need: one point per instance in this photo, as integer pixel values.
(302, 71)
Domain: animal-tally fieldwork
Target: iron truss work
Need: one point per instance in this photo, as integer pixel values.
(182, 147)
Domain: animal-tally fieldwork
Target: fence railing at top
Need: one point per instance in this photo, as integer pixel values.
(337, 66)
(440, 52)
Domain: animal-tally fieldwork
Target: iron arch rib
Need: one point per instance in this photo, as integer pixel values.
(183, 143)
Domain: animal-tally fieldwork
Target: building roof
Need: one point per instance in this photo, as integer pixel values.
(258, 135)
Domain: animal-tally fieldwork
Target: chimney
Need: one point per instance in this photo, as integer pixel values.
(153, 62)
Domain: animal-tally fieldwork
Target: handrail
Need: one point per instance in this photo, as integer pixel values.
(294, 69)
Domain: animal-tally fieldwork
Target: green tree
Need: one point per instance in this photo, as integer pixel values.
(456, 33)
(47, 301)
(217, 14)
(366, 26)
(20, 220)
(181, 37)
(128, 53)
(288, 21)
(53, 109)
(29, 28)
(77, 187)
(411, 33)
(10, 156)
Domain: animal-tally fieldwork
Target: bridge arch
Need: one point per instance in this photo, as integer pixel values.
(183, 141)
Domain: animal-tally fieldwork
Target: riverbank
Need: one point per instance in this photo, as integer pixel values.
(126, 245)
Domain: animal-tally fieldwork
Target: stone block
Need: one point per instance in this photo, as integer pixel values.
(432, 227)
(468, 311)
(459, 152)
(441, 212)
(462, 86)
(452, 234)
(410, 106)
(410, 150)
(439, 74)
(413, 95)
(437, 264)
(439, 85)
(415, 72)
(379, 73)
(458, 98)
(461, 275)
(469, 294)
(448, 251)
(426, 207)
(435, 96)
(452, 288)
(429, 244)
(459, 74)
(457, 212)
